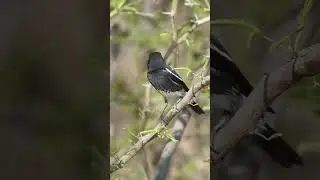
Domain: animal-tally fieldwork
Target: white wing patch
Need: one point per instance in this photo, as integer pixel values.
(174, 74)
(212, 46)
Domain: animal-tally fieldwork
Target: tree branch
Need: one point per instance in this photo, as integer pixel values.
(183, 37)
(307, 64)
(179, 126)
(126, 155)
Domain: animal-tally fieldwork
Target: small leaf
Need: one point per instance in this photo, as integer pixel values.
(129, 8)
(164, 34)
(191, 3)
(187, 42)
(183, 68)
(304, 12)
(190, 75)
(236, 22)
(206, 10)
(183, 26)
(120, 3)
(250, 38)
(166, 13)
(278, 43)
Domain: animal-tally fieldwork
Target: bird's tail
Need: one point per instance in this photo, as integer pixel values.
(196, 108)
(277, 148)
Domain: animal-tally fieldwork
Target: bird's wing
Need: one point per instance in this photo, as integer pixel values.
(175, 78)
(220, 59)
(217, 46)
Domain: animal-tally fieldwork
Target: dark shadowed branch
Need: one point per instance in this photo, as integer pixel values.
(269, 88)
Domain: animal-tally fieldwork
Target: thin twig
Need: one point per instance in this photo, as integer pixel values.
(182, 38)
(174, 5)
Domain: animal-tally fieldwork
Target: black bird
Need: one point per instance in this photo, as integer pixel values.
(221, 63)
(228, 81)
(167, 81)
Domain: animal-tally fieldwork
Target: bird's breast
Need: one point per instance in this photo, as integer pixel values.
(172, 97)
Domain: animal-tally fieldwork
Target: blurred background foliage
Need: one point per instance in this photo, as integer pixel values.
(137, 28)
(267, 25)
(53, 95)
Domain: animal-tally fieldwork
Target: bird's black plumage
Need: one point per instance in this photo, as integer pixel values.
(227, 79)
(227, 71)
(221, 61)
(167, 81)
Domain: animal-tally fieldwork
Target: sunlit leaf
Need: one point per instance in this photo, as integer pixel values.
(129, 8)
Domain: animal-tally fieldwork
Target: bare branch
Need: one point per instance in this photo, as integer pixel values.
(168, 151)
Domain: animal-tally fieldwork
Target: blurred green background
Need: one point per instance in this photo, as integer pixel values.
(138, 27)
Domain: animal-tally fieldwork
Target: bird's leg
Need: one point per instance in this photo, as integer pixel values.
(166, 102)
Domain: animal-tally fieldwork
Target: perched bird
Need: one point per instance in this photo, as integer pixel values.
(226, 73)
(231, 86)
(167, 81)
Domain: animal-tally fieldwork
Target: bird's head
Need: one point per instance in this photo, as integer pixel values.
(155, 61)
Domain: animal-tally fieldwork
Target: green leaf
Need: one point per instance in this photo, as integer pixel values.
(166, 13)
(250, 38)
(187, 43)
(184, 68)
(183, 27)
(120, 3)
(278, 43)
(206, 10)
(237, 22)
(304, 12)
(130, 8)
(190, 3)
(165, 34)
